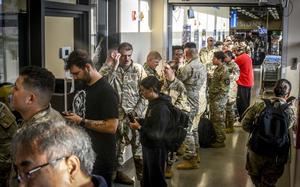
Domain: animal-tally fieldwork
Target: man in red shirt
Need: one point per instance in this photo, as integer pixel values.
(245, 81)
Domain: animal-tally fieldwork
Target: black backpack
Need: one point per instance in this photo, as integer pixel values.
(177, 129)
(270, 136)
(206, 132)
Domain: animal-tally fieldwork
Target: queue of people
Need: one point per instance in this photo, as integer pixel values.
(124, 103)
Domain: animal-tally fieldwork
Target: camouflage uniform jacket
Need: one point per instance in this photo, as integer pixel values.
(193, 75)
(151, 72)
(253, 112)
(8, 128)
(234, 73)
(206, 55)
(219, 84)
(126, 83)
(49, 114)
(177, 92)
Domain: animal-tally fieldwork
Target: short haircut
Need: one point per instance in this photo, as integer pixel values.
(79, 58)
(176, 47)
(154, 55)
(173, 65)
(218, 43)
(40, 80)
(125, 46)
(190, 45)
(151, 82)
(219, 55)
(57, 139)
(282, 88)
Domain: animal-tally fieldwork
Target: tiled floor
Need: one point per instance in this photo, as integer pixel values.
(223, 167)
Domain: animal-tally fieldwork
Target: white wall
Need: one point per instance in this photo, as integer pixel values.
(293, 48)
(58, 33)
(138, 31)
(293, 51)
(159, 26)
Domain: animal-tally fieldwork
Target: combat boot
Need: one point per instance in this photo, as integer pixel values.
(181, 150)
(122, 178)
(168, 172)
(188, 164)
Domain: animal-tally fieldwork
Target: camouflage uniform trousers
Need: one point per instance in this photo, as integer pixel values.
(217, 115)
(202, 105)
(126, 136)
(8, 127)
(265, 171)
(192, 139)
(230, 113)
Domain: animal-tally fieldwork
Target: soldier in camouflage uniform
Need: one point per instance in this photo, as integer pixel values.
(8, 128)
(234, 72)
(193, 75)
(217, 97)
(153, 59)
(175, 88)
(31, 97)
(206, 55)
(125, 76)
(266, 170)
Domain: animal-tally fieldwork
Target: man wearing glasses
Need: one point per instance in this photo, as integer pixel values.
(54, 154)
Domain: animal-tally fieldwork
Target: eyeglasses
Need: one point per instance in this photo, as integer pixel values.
(210, 40)
(27, 176)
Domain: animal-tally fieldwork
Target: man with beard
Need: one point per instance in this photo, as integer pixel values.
(96, 109)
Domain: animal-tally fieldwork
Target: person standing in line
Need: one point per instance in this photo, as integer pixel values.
(245, 81)
(178, 58)
(95, 108)
(153, 60)
(218, 89)
(193, 76)
(8, 128)
(31, 97)
(206, 55)
(174, 88)
(152, 130)
(265, 170)
(125, 77)
(234, 72)
(53, 154)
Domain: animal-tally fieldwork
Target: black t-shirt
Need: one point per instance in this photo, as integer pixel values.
(99, 102)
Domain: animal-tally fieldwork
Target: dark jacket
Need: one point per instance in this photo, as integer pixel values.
(156, 122)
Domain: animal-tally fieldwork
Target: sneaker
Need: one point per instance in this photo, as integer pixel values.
(122, 178)
(218, 145)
